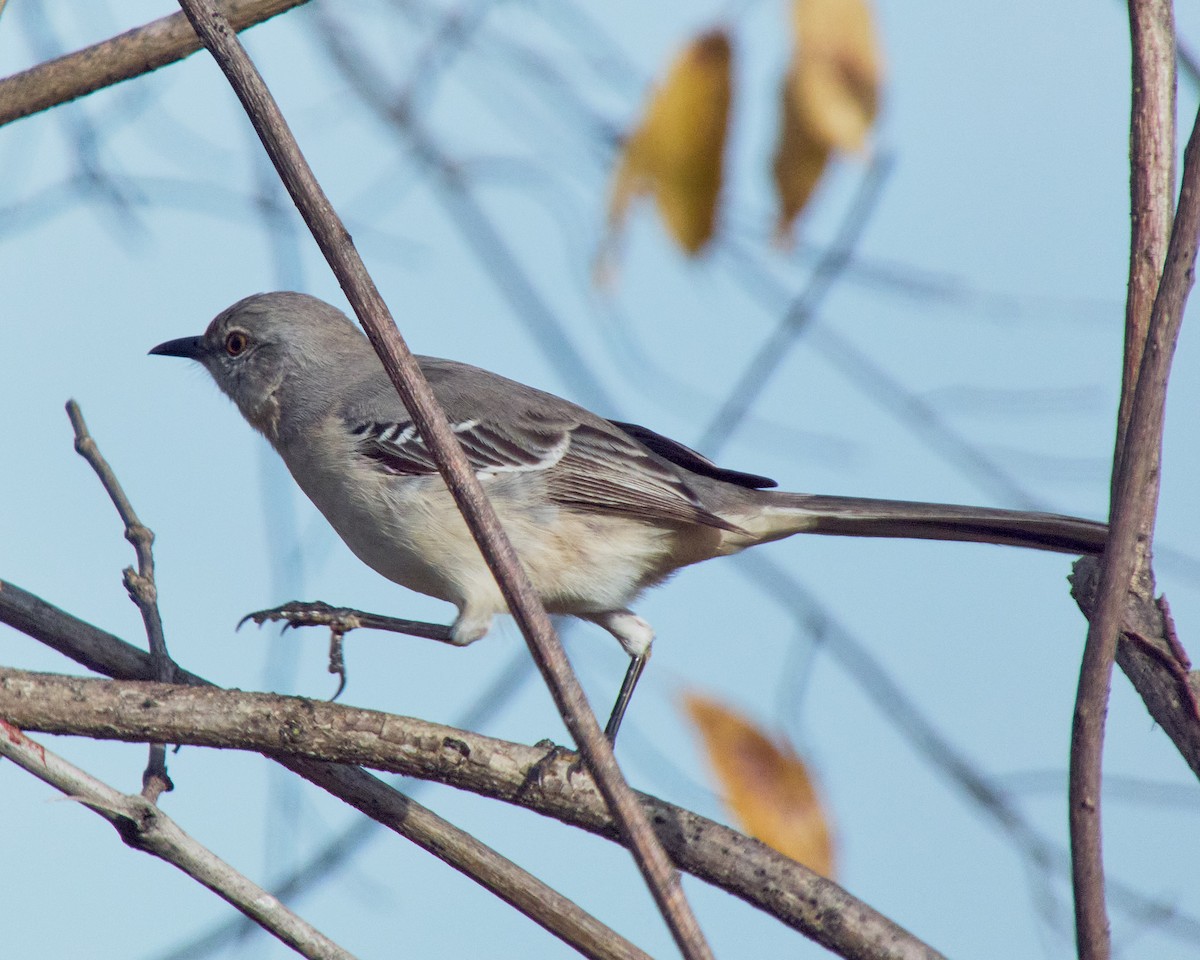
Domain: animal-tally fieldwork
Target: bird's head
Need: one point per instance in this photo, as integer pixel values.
(262, 346)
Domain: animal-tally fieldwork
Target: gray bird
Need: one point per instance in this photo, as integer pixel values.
(598, 510)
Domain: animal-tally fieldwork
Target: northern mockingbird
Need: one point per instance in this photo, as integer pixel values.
(597, 510)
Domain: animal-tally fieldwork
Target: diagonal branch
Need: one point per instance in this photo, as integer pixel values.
(334, 241)
(1125, 566)
(143, 826)
(122, 57)
(1153, 661)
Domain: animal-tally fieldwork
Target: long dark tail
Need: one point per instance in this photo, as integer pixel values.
(783, 514)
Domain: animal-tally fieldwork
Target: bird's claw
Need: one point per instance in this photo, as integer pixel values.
(302, 613)
(299, 613)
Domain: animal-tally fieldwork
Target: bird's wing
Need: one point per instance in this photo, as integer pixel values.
(603, 469)
(585, 463)
(491, 448)
(691, 460)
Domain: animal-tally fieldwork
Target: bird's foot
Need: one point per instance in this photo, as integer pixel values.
(305, 613)
(544, 767)
(298, 613)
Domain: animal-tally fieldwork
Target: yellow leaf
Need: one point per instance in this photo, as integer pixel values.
(767, 786)
(837, 70)
(829, 99)
(800, 159)
(677, 151)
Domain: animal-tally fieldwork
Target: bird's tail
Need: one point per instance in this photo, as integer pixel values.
(780, 515)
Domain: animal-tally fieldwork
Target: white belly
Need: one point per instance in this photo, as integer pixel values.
(410, 531)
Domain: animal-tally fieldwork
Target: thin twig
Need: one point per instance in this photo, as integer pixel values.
(140, 584)
(515, 773)
(143, 826)
(1125, 565)
(102, 652)
(334, 241)
(122, 57)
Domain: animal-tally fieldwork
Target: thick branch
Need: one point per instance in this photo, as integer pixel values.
(727, 859)
(119, 58)
(1126, 558)
(1152, 659)
(145, 827)
(523, 602)
(104, 653)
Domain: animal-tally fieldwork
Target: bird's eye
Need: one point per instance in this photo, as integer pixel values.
(236, 342)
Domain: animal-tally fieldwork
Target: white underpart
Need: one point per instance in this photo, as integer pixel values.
(634, 633)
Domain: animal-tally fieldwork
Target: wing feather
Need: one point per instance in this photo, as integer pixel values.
(583, 465)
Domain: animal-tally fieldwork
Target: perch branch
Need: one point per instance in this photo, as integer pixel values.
(723, 857)
(102, 652)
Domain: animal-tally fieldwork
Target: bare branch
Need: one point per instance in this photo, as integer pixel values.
(104, 653)
(143, 826)
(531, 777)
(334, 241)
(123, 57)
(922, 734)
(1125, 566)
(139, 583)
(800, 312)
(1155, 664)
(1151, 181)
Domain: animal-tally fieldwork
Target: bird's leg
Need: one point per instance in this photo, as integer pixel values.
(636, 665)
(340, 621)
(300, 613)
(636, 636)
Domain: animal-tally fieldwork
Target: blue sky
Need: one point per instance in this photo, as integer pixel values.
(989, 285)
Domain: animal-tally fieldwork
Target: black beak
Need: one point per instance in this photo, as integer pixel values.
(189, 348)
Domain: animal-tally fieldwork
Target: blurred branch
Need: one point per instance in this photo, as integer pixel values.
(143, 826)
(83, 132)
(475, 226)
(795, 320)
(1125, 565)
(122, 57)
(104, 653)
(912, 722)
(140, 585)
(534, 777)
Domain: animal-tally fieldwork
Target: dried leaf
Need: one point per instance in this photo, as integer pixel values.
(837, 70)
(829, 98)
(767, 787)
(800, 159)
(677, 151)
